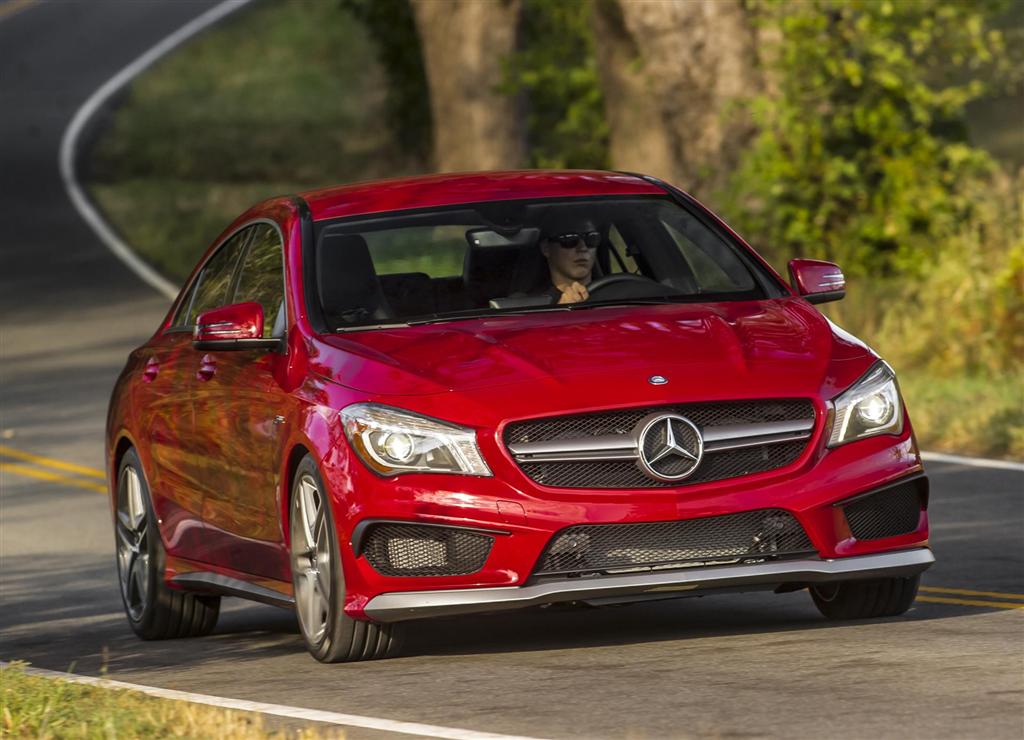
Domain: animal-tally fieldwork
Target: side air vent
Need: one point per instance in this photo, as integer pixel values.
(395, 549)
(890, 512)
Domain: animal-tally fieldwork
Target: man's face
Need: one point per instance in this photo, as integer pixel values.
(573, 262)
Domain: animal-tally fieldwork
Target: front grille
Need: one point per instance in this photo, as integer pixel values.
(888, 513)
(622, 422)
(716, 464)
(625, 473)
(416, 550)
(611, 548)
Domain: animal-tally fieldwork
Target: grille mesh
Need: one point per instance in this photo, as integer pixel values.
(625, 473)
(887, 513)
(413, 550)
(622, 422)
(595, 548)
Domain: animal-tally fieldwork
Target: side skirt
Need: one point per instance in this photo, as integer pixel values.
(217, 583)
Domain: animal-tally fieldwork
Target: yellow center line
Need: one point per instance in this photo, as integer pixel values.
(50, 462)
(17, 469)
(968, 592)
(9, 9)
(970, 602)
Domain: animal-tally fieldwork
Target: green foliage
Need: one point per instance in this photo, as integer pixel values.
(862, 154)
(556, 73)
(393, 30)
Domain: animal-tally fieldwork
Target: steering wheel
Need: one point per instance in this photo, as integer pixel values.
(625, 285)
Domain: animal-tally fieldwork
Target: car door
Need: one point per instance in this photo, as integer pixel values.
(164, 429)
(239, 409)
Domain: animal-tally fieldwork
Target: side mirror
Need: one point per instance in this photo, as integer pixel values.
(817, 281)
(235, 327)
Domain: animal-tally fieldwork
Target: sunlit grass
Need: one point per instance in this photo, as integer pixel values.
(37, 707)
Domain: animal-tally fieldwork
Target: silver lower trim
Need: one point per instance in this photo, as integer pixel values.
(398, 606)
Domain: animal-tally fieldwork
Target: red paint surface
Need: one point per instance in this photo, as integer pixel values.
(218, 464)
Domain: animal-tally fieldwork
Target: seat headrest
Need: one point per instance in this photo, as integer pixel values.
(349, 289)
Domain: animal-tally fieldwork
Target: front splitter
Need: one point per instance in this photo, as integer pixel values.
(399, 606)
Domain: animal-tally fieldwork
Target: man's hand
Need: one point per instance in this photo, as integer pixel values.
(575, 293)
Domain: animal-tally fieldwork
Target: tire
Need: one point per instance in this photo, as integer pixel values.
(881, 597)
(154, 610)
(318, 579)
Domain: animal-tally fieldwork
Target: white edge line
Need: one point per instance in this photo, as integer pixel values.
(278, 710)
(69, 142)
(977, 462)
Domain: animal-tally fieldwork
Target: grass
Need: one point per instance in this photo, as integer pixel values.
(282, 97)
(965, 415)
(37, 707)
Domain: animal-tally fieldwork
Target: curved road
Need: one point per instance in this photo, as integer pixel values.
(737, 666)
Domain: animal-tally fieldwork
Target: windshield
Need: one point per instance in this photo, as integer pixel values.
(512, 256)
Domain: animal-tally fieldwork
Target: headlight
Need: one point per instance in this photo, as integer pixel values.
(392, 441)
(870, 406)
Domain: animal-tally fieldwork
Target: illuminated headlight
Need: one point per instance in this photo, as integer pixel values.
(870, 406)
(392, 441)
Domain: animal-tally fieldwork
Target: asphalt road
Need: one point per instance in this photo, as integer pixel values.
(732, 666)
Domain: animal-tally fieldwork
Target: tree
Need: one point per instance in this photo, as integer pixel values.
(671, 73)
(466, 44)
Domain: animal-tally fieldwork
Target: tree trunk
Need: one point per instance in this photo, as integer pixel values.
(670, 71)
(465, 45)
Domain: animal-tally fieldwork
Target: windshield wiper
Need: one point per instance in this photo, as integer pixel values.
(490, 315)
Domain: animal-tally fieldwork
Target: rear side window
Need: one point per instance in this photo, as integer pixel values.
(215, 280)
(262, 278)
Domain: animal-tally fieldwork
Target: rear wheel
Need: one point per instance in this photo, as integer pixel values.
(880, 597)
(154, 611)
(319, 581)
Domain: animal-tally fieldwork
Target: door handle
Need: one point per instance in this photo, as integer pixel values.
(149, 373)
(207, 368)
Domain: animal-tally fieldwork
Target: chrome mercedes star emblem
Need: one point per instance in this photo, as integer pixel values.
(670, 447)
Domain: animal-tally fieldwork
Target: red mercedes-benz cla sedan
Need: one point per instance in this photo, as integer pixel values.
(468, 393)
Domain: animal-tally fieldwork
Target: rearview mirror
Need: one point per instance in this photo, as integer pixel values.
(485, 238)
(816, 280)
(235, 327)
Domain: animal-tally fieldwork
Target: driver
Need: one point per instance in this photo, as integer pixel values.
(570, 248)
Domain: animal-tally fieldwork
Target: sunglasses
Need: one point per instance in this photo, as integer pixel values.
(569, 240)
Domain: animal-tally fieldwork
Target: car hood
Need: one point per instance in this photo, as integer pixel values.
(773, 347)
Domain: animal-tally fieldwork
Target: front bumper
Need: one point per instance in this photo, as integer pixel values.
(399, 606)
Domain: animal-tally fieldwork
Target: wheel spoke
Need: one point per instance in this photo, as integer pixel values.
(140, 568)
(310, 511)
(136, 508)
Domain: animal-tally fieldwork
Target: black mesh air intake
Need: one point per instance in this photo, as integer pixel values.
(602, 548)
(888, 513)
(416, 550)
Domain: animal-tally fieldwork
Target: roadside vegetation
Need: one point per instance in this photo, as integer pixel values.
(883, 135)
(38, 707)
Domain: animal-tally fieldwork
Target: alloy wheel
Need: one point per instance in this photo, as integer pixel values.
(132, 543)
(311, 560)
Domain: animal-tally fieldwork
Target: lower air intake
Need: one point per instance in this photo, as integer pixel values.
(888, 513)
(612, 548)
(414, 550)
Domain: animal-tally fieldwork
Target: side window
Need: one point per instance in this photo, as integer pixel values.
(262, 279)
(181, 314)
(215, 280)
